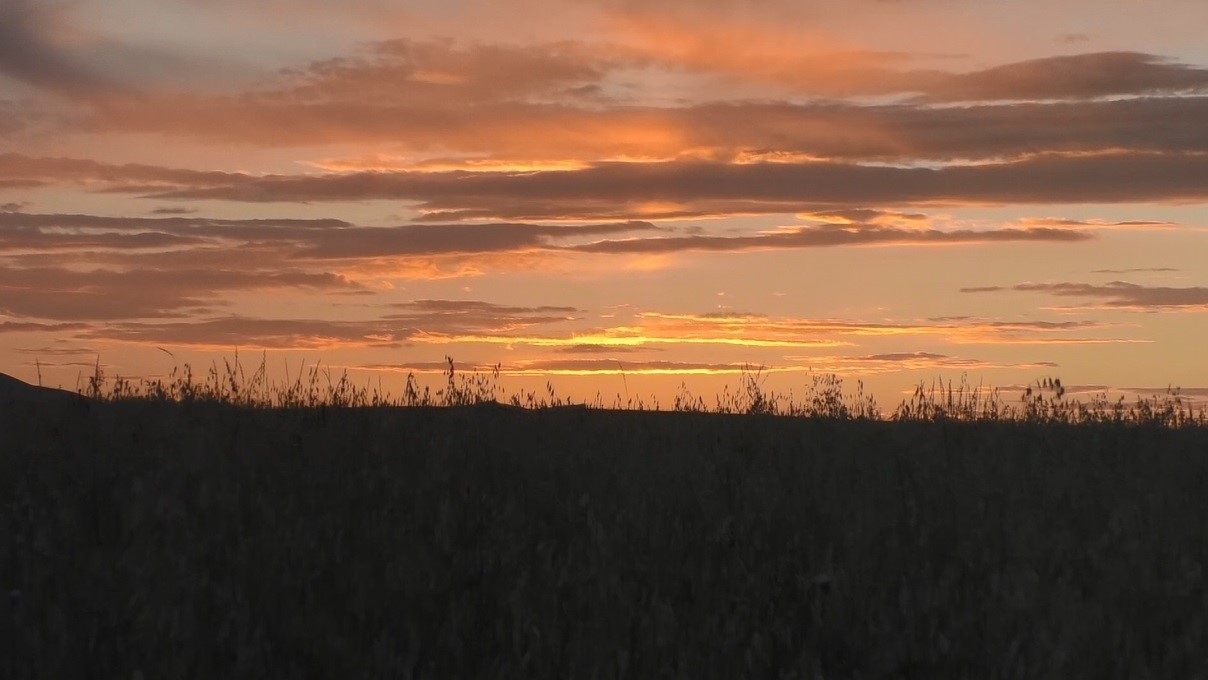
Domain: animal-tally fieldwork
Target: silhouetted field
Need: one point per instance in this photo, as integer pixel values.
(211, 540)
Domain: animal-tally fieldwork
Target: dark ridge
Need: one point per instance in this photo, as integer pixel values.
(13, 390)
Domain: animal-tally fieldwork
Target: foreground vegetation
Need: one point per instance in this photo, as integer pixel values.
(194, 532)
(824, 397)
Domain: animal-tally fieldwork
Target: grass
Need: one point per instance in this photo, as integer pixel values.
(228, 527)
(1043, 402)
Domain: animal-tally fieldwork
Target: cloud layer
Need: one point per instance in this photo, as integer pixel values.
(566, 185)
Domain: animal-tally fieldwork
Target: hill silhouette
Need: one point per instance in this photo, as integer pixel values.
(13, 390)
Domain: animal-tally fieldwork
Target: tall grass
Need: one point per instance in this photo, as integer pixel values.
(1044, 401)
(960, 535)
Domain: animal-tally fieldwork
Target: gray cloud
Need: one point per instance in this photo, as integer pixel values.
(33, 49)
(305, 239)
(32, 170)
(623, 190)
(13, 118)
(413, 321)
(462, 316)
(1134, 270)
(934, 360)
(39, 327)
(817, 237)
(411, 72)
(1116, 294)
(438, 239)
(577, 366)
(63, 294)
(1076, 76)
(602, 349)
(57, 351)
(237, 331)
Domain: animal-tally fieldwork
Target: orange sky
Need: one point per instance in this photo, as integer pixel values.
(616, 196)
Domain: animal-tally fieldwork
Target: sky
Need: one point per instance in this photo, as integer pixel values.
(616, 197)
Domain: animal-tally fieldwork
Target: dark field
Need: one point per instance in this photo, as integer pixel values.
(209, 541)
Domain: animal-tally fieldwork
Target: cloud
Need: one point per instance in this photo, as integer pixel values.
(788, 47)
(444, 239)
(1117, 295)
(562, 131)
(656, 190)
(584, 348)
(416, 73)
(1188, 396)
(14, 117)
(815, 237)
(572, 100)
(410, 322)
(474, 324)
(1078, 76)
(39, 327)
(1134, 270)
(181, 241)
(57, 351)
(1096, 224)
(1191, 391)
(34, 40)
(858, 365)
(894, 362)
(56, 47)
(33, 171)
(69, 295)
(584, 367)
(237, 331)
(461, 316)
(770, 330)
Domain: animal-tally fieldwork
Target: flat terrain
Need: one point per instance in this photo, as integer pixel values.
(210, 541)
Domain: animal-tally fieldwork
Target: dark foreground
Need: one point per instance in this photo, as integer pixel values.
(212, 542)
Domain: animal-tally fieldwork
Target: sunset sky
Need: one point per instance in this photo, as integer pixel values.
(616, 196)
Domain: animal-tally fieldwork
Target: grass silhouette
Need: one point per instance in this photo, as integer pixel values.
(224, 526)
(1042, 402)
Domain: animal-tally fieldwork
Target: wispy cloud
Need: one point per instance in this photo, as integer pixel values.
(895, 362)
(1075, 76)
(35, 171)
(958, 330)
(1135, 270)
(1116, 295)
(1096, 224)
(627, 190)
(460, 316)
(63, 294)
(584, 348)
(40, 327)
(57, 351)
(224, 333)
(407, 323)
(585, 367)
(827, 236)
